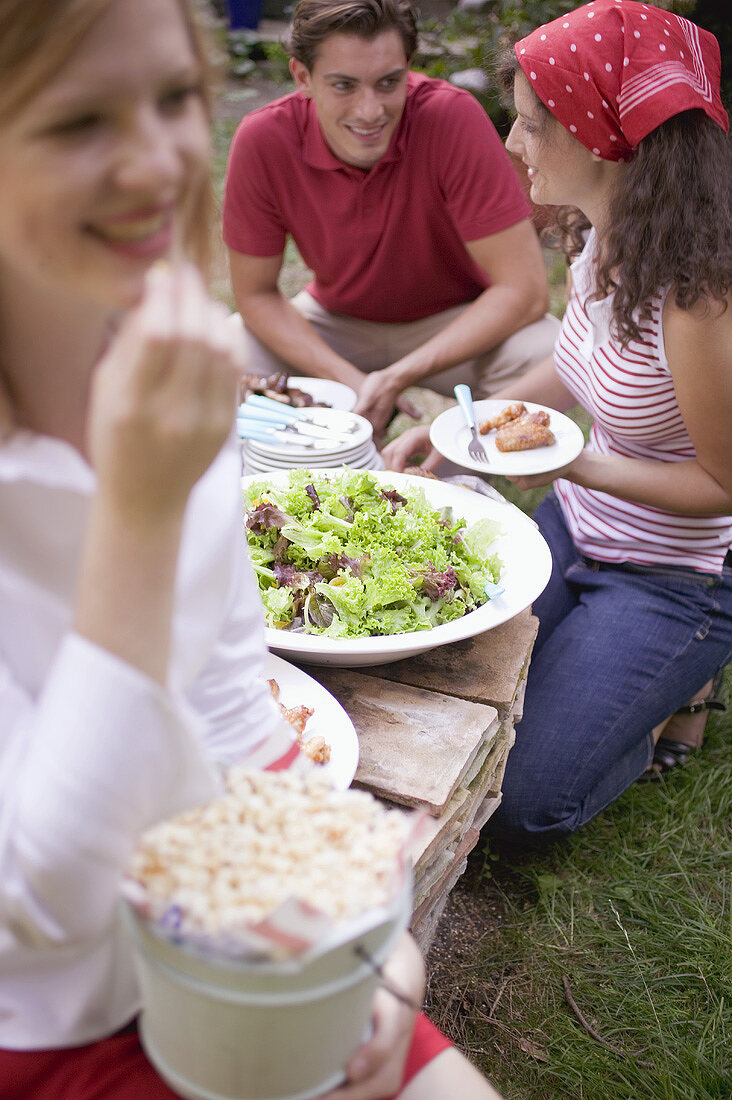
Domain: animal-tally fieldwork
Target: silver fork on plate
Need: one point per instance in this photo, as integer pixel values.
(476, 450)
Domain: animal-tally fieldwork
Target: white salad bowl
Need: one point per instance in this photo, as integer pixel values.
(526, 569)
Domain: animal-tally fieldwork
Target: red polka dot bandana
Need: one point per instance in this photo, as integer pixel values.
(614, 70)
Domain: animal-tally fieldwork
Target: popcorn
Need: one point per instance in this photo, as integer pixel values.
(225, 866)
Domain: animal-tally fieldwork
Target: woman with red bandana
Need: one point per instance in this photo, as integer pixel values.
(620, 124)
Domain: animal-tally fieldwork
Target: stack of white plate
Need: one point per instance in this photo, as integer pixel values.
(353, 445)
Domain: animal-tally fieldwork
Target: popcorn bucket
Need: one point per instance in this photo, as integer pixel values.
(225, 1029)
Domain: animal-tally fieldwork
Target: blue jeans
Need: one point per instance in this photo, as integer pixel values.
(620, 648)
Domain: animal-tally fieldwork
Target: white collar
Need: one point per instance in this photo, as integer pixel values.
(44, 460)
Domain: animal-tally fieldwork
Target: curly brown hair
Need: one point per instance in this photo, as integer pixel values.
(316, 20)
(669, 219)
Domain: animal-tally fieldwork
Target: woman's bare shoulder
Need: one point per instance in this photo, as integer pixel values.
(702, 332)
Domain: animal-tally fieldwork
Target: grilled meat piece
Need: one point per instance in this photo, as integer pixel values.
(276, 388)
(526, 433)
(505, 416)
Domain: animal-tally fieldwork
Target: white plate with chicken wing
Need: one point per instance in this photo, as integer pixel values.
(328, 721)
(450, 435)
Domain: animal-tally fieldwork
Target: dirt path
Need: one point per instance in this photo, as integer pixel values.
(240, 97)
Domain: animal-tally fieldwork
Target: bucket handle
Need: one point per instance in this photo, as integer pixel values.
(386, 983)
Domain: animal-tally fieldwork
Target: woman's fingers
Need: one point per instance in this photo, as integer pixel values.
(432, 461)
(165, 394)
(220, 388)
(393, 1026)
(536, 481)
(189, 364)
(143, 345)
(175, 331)
(377, 1068)
(414, 441)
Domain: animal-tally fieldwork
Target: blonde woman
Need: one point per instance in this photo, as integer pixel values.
(131, 640)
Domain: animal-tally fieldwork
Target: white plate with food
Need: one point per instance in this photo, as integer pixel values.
(450, 435)
(525, 569)
(328, 721)
(335, 394)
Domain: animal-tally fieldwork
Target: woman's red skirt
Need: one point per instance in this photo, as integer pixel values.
(117, 1069)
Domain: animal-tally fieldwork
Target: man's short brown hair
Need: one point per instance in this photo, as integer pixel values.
(316, 20)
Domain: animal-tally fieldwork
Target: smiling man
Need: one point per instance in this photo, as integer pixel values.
(400, 197)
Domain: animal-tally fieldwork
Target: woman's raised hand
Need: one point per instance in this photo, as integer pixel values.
(164, 396)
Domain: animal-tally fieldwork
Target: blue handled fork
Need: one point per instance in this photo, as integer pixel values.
(476, 450)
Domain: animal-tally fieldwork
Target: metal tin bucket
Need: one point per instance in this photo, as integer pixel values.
(230, 1030)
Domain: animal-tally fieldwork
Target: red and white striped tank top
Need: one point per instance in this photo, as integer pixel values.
(630, 394)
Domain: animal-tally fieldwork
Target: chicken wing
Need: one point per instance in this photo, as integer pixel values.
(297, 718)
(317, 748)
(505, 416)
(526, 433)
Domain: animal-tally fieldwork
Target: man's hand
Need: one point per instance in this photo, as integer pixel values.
(376, 1069)
(377, 399)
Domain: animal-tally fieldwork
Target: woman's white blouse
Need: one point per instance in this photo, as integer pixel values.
(91, 750)
(631, 395)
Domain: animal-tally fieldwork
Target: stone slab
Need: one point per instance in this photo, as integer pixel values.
(486, 810)
(500, 770)
(471, 809)
(494, 781)
(486, 669)
(424, 932)
(439, 895)
(483, 768)
(436, 833)
(448, 879)
(489, 747)
(415, 745)
(517, 710)
(497, 766)
(435, 873)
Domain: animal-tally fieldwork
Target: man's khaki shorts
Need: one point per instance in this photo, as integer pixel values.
(372, 345)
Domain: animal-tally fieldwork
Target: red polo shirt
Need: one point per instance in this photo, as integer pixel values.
(386, 244)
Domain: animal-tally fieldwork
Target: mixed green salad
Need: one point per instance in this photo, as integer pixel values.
(348, 556)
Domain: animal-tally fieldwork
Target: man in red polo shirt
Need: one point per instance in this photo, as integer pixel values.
(400, 197)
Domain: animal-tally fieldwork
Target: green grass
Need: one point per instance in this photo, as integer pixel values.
(635, 911)
(221, 136)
